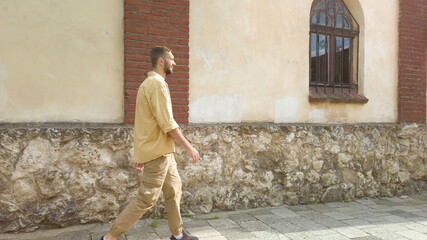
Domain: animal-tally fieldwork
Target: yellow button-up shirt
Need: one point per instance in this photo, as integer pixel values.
(153, 120)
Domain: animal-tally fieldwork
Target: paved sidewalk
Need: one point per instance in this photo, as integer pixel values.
(388, 218)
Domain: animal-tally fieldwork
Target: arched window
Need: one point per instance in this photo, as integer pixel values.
(333, 48)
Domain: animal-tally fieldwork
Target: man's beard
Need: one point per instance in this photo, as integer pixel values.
(167, 69)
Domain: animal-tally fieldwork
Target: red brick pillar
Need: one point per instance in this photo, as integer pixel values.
(412, 61)
(148, 23)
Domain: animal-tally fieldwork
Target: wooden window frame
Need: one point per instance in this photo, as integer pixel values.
(325, 87)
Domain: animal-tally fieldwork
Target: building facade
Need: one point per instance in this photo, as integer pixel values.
(289, 102)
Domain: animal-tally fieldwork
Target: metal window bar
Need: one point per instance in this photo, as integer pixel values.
(350, 70)
(334, 47)
(317, 51)
(342, 54)
(326, 52)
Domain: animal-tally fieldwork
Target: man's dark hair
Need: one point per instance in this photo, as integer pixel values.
(158, 52)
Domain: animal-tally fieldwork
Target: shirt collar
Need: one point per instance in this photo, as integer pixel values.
(153, 73)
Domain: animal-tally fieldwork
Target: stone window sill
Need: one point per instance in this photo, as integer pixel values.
(337, 97)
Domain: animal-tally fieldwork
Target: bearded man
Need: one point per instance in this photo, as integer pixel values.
(155, 133)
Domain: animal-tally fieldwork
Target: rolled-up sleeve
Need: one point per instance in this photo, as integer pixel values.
(161, 107)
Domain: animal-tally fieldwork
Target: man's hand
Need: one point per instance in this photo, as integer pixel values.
(139, 166)
(194, 154)
(176, 134)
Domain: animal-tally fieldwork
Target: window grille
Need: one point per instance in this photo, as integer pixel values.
(333, 48)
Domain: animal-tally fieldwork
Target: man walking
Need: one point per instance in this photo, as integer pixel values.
(154, 134)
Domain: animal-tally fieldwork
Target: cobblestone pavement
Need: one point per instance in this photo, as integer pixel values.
(387, 218)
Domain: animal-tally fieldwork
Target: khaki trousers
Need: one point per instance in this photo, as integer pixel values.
(160, 174)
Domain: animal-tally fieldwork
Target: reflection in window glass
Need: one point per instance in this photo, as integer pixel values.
(313, 51)
(320, 18)
(346, 61)
(338, 59)
(330, 7)
(319, 57)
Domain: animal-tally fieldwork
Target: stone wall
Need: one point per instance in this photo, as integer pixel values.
(53, 177)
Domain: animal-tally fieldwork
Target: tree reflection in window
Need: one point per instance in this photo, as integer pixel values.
(333, 46)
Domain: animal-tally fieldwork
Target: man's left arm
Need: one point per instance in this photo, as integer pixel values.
(177, 135)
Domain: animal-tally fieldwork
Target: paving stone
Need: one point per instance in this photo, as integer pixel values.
(404, 214)
(366, 238)
(394, 219)
(284, 213)
(393, 227)
(311, 236)
(204, 232)
(419, 213)
(285, 227)
(420, 220)
(381, 207)
(269, 218)
(338, 204)
(162, 231)
(187, 219)
(242, 217)
(298, 208)
(374, 220)
(382, 233)
(408, 209)
(377, 213)
(348, 211)
(145, 236)
(324, 232)
(270, 235)
(422, 197)
(77, 235)
(330, 222)
(415, 226)
(237, 234)
(196, 223)
(385, 202)
(321, 208)
(100, 230)
(223, 223)
(397, 199)
(357, 223)
(260, 212)
(358, 205)
(299, 235)
(156, 221)
(411, 234)
(422, 208)
(413, 202)
(338, 215)
(49, 233)
(351, 232)
(253, 226)
(215, 238)
(311, 214)
(330, 237)
(366, 201)
(141, 227)
(305, 224)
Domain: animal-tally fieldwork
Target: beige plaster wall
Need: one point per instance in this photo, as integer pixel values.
(249, 62)
(61, 61)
